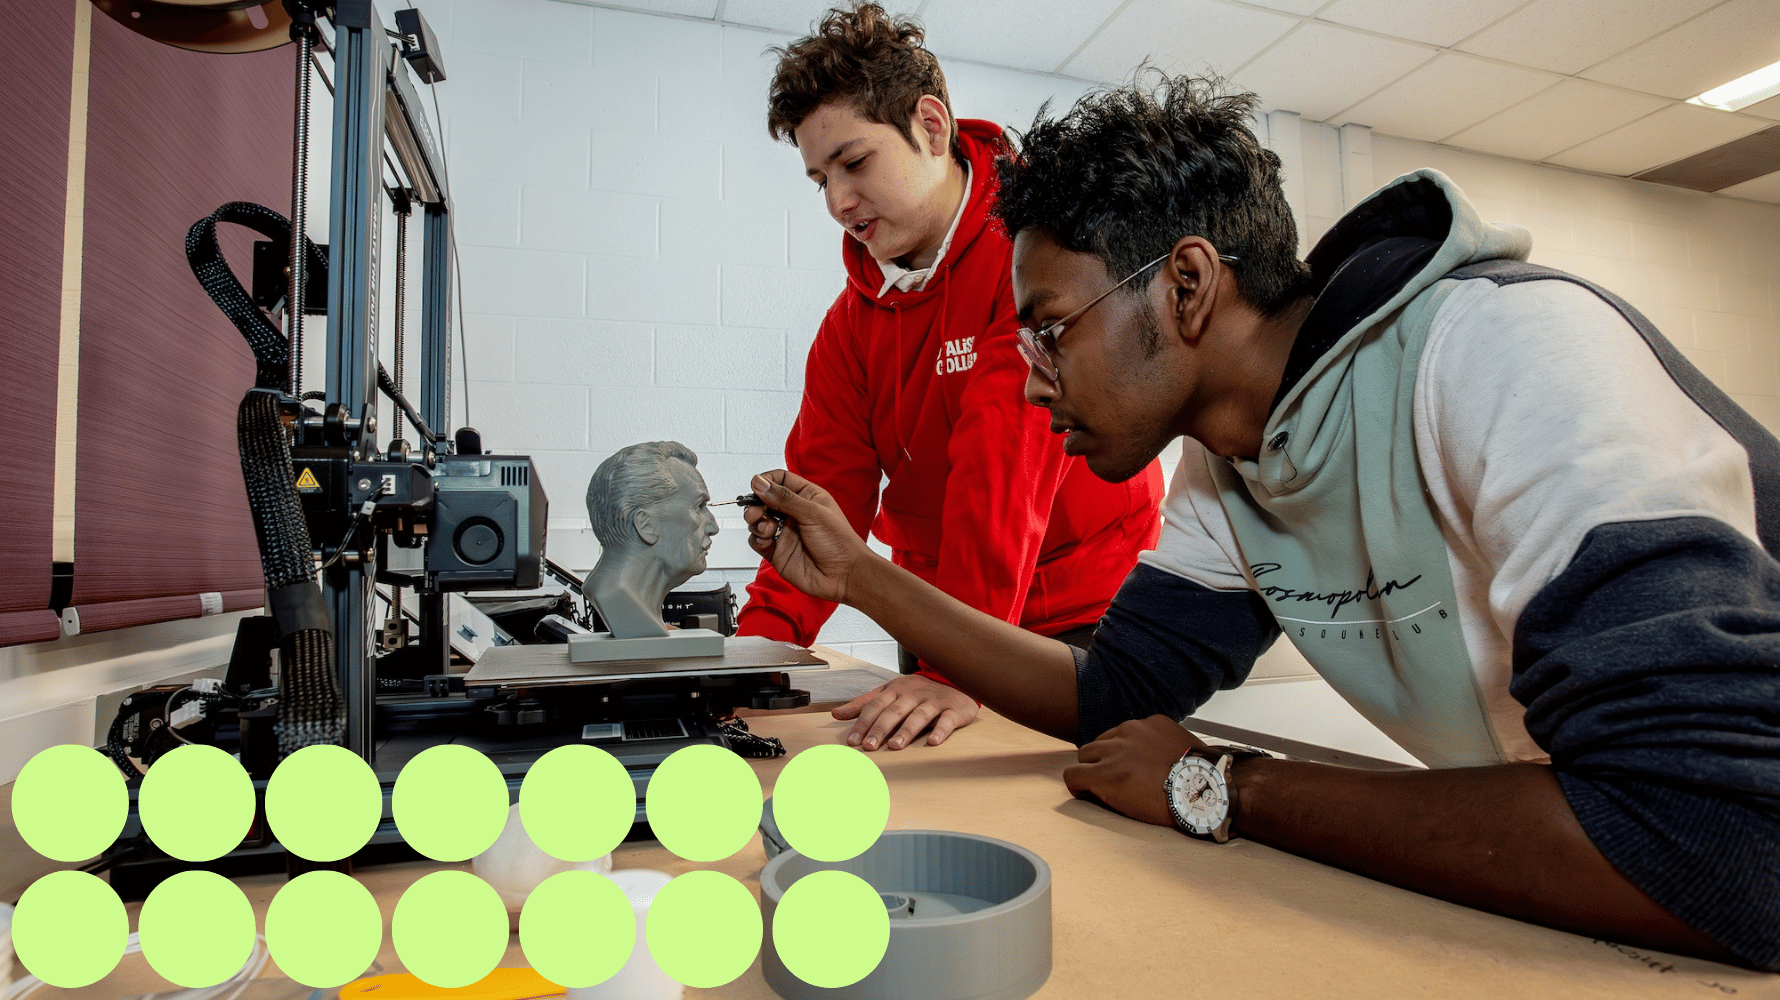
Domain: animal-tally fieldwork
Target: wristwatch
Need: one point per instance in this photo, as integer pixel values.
(1200, 794)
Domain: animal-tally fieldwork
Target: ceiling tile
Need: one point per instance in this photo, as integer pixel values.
(1724, 43)
(1556, 119)
(1434, 23)
(706, 9)
(1568, 36)
(1769, 108)
(1445, 95)
(1178, 36)
(1320, 69)
(1046, 32)
(1676, 131)
(1291, 6)
(1760, 189)
(794, 16)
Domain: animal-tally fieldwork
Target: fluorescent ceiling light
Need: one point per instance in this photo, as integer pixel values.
(1743, 91)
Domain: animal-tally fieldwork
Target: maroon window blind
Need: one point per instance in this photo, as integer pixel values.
(161, 516)
(36, 67)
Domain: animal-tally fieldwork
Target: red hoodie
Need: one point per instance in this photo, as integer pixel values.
(927, 387)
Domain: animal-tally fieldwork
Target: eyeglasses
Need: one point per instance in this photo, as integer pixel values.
(1033, 342)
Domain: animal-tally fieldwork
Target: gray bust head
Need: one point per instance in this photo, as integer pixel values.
(650, 511)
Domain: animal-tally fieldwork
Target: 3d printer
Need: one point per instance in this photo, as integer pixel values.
(357, 539)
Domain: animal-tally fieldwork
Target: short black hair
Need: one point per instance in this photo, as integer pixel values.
(1132, 169)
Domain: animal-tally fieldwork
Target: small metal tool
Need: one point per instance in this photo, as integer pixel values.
(745, 500)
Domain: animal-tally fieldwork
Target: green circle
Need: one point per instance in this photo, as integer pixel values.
(578, 928)
(324, 929)
(831, 802)
(196, 928)
(577, 803)
(703, 929)
(450, 929)
(323, 802)
(196, 803)
(703, 802)
(831, 929)
(69, 929)
(450, 802)
(70, 802)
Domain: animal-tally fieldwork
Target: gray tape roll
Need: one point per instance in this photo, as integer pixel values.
(971, 918)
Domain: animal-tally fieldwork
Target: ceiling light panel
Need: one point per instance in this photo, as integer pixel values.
(1178, 36)
(1553, 120)
(1320, 69)
(1419, 20)
(1044, 34)
(1751, 88)
(1677, 131)
(1568, 36)
(1724, 43)
(1446, 95)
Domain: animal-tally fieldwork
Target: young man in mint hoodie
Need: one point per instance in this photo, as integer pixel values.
(915, 376)
(1497, 511)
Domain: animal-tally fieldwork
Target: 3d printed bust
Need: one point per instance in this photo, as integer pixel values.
(650, 511)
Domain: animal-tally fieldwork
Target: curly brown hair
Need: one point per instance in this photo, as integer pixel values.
(860, 54)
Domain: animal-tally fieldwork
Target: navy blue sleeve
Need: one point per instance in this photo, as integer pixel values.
(1650, 670)
(1164, 645)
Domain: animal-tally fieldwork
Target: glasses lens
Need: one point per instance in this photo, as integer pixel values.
(1035, 354)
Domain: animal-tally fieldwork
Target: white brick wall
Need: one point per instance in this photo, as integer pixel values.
(641, 261)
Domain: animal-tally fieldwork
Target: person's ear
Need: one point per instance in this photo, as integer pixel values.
(643, 523)
(933, 126)
(1190, 287)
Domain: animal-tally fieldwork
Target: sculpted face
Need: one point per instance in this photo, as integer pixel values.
(684, 525)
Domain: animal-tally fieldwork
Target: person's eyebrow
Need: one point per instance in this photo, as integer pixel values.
(1038, 301)
(839, 151)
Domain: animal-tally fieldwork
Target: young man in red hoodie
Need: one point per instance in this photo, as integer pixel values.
(915, 374)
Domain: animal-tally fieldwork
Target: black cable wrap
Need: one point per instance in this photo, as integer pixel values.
(270, 348)
(311, 710)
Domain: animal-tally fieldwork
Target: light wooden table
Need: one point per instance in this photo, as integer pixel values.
(1142, 911)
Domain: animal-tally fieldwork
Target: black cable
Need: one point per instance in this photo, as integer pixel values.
(749, 744)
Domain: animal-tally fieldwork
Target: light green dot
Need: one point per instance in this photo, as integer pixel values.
(703, 802)
(703, 929)
(450, 929)
(323, 803)
(577, 928)
(196, 928)
(577, 802)
(450, 802)
(831, 929)
(69, 802)
(69, 929)
(196, 803)
(831, 802)
(323, 928)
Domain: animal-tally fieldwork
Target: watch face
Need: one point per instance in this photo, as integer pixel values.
(1197, 795)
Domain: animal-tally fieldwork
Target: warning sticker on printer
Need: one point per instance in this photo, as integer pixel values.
(306, 481)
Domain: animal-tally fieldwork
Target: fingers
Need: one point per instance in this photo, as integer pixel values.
(913, 725)
(943, 726)
(790, 493)
(1078, 778)
(852, 708)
